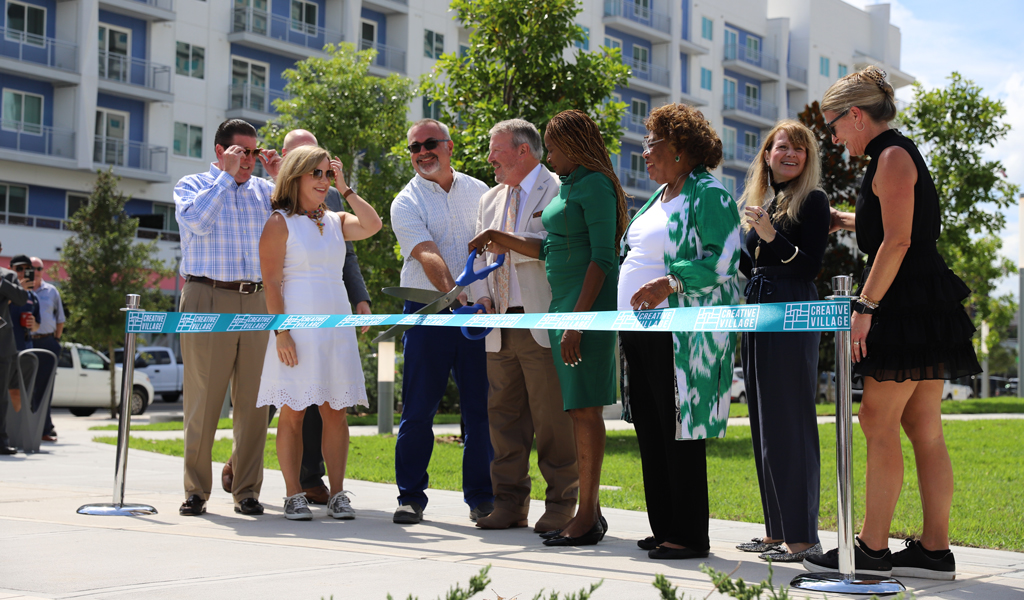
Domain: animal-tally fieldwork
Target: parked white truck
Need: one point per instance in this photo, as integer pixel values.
(165, 372)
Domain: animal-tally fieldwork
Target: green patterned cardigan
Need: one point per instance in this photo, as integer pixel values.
(705, 259)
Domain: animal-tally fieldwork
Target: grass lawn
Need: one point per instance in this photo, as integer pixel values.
(1001, 405)
(439, 419)
(988, 462)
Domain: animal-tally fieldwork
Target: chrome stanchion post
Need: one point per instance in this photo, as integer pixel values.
(845, 582)
(118, 507)
(386, 386)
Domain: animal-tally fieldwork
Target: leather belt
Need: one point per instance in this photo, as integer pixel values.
(39, 336)
(515, 310)
(242, 287)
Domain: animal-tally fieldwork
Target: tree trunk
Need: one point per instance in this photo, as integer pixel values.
(113, 382)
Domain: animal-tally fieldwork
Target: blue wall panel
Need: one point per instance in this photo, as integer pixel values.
(628, 41)
(382, 24)
(46, 201)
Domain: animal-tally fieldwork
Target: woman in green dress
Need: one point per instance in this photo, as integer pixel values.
(584, 224)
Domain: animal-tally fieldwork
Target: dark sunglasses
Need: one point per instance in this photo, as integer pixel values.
(318, 173)
(829, 125)
(254, 152)
(20, 268)
(430, 144)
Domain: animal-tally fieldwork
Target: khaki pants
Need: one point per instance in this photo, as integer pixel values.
(211, 360)
(525, 400)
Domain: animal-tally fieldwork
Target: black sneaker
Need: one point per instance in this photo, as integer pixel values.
(913, 562)
(864, 564)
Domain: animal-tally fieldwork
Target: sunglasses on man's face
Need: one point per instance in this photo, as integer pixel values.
(318, 173)
(255, 152)
(430, 144)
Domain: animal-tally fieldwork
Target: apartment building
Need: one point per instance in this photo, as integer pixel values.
(141, 85)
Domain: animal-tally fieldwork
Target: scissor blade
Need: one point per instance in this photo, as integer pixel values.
(441, 303)
(413, 294)
(392, 332)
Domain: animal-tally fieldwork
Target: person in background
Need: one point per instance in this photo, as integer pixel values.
(47, 337)
(10, 293)
(24, 320)
(787, 221)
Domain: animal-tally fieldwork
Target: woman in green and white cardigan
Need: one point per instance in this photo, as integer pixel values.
(682, 249)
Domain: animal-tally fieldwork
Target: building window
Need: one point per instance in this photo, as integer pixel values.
(750, 143)
(463, 50)
(111, 137)
(115, 45)
(433, 44)
(304, 17)
(636, 163)
(368, 34)
(753, 48)
(167, 210)
(431, 110)
(188, 140)
(190, 60)
(641, 59)
(706, 28)
(823, 66)
(26, 24)
(249, 85)
(75, 203)
(729, 143)
(728, 93)
(584, 44)
(752, 96)
(13, 199)
(729, 182)
(22, 112)
(705, 79)
(638, 112)
(610, 43)
(841, 70)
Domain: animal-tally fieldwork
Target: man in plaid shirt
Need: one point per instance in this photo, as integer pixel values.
(221, 214)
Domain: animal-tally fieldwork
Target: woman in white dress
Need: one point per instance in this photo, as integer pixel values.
(302, 251)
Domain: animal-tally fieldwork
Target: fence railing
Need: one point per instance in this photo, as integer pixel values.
(37, 139)
(656, 74)
(126, 153)
(636, 12)
(754, 106)
(392, 59)
(740, 152)
(796, 73)
(254, 97)
(135, 71)
(278, 27)
(634, 123)
(164, 4)
(757, 58)
(637, 180)
(38, 49)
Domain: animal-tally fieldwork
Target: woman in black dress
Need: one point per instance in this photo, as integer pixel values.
(787, 218)
(909, 330)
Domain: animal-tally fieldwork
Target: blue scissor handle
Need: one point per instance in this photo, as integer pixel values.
(473, 333)
(468, 275)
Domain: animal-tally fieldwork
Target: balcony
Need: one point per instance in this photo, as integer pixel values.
(796, 77)
(265, 31)
(738, 156)
(147, 10)
(130, 159)
(752, 63)
(253, 102)
(752, 111)
(647, 77)
(388, 7)
(633, 127)
(37, 144)
(134, 78)
(23, 53)
(637, 183)
(388, 58)
(638, 20)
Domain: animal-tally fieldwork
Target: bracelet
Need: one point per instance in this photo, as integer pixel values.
(348, 193)
(796, 250)
(868, 301)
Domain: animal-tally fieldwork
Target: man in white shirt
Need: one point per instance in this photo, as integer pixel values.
(525, 398)
(51, 328)
(434, 217)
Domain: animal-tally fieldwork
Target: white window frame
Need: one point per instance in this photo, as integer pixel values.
(637, 159)
(34, 39)
(642, 8)
(247, 102)
(710, 79)
(824, 66)
(187, 145)
(728, 133)
(20, 125)
(731, 36)
(434, 53)
(613, 42)
(7, 198)
(748, 136)
(752, 53)
(735, 90)
(303, 26)
(707, 28)
(362, 40)
(633, 114)
(729, 183)
(127, 135)
(749, 101)
(189, 71)
(642, 63)
(126, 73)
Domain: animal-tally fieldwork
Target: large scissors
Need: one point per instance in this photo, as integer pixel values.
(436, 302)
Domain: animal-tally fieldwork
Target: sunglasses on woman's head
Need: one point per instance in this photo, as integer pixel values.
(318, 173)
(430, 144)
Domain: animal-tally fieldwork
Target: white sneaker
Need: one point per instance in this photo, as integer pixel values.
(296, 508)
(339, 506)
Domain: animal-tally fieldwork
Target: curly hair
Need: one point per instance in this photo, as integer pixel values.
(688, 131)
(578, 137)
(297, 163)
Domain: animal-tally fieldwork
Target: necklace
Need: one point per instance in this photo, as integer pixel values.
(317, 216)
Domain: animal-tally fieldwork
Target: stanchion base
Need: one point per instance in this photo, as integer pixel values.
(837, 584)
(117, 510)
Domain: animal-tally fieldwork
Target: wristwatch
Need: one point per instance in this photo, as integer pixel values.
(673, 283)
(859, 306)
(280, 331)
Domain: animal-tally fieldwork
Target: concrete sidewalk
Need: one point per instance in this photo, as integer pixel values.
(52, 552)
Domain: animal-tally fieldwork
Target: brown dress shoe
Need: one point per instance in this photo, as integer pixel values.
(501, 518)
(551, 521)
(227, 477)
(317, 495)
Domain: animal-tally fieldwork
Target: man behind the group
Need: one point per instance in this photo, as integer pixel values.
(525, 398)
(221, 214)
(434, 217)
(51, 329)
(10, 293)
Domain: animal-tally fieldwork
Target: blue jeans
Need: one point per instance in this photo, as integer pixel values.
(431, 353)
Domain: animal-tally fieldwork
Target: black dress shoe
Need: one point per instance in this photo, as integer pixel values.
(648, 543)
(249, 506)
(589, 538)
(7, 450)
(604, 525)
(193, 507)
(666, 553)
(547, 535)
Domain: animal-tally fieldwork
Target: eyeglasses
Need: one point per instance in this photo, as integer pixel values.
(318, 173)
(20, 268)
(430, 144)
(829, 125)
(647, 143)
(255, 152)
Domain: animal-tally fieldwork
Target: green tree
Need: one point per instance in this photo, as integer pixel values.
(104, 262)
(516, 66)
(953, 126)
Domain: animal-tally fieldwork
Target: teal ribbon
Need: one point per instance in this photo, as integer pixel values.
(783, 316)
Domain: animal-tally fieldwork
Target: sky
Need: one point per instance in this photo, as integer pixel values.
(981, 40)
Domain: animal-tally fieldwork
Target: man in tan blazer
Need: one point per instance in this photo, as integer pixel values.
(525, 399)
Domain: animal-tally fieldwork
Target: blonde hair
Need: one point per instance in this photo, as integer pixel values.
(866, 89)
(297, 163)
(790, 200)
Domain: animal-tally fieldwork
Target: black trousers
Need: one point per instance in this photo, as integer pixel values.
(780, 371)
(675, 471)
(46, 367)
(311, 470)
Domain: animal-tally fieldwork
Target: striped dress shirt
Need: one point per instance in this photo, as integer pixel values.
(424, 212)
(221, 223)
